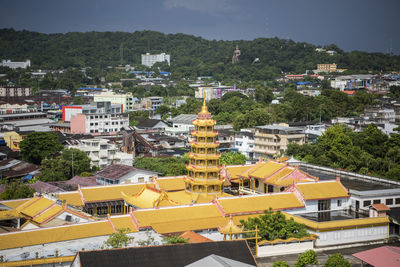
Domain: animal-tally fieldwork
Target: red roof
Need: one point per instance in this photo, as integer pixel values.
(43, 187)
(349, 92)
(194, 237)
(385, 256)
(82, 181)
(380, 207)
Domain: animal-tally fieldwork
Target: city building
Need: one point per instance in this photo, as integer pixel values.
(126, 100)
(351, 82)
(149, 60)
(326, 67)
(97, 117)
(243, 142)
(16, 108)
(272, 140)
(119, 174)
(181, 125)
(152, 102)
(15, 91)
(15, 65)
(102, 153)
(380, 114)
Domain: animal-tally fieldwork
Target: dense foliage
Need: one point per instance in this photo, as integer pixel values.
(71, 162)
(232, 158)
(15, 190)
(306, 258)
(38, 146)
(366, 152)
(190, 56)
(175, 239)
(337, 260)
(280, 264)
(273, 225)
(170, 166)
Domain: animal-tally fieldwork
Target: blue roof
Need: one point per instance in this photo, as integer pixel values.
(88, 88)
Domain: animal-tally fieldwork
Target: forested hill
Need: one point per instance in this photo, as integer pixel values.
(190, 55)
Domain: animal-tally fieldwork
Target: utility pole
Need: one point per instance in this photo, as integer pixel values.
(121, 53)
(72, 150)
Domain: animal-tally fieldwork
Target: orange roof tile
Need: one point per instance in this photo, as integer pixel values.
(194, 237)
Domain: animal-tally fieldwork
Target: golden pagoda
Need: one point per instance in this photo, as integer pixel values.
(204, 169)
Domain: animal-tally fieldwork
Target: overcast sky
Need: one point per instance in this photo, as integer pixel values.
(351, 24)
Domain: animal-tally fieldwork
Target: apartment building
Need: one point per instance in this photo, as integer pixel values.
(244, 142)
(7, 91)
(326, 67)
(15, 65)
(102, 153)
(98, 117)
(149, 60)
(126, 100)
(152, 102)
(272, 140)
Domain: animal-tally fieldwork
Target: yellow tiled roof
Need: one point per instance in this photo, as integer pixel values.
(71, 198)
(171, 184)
(54, 234)
(14, 203)
(236, 171)
(124, 221)
(37, 207)
(322, 190)
(230, 228)
(44, 261)
(8, 215)
(275, 178)
(54, 210)
(189, 224)
(338, 224)
(112, 192)
(259, 203)
(148, 198)
(265, 169)
(26, 204)
(175, 214)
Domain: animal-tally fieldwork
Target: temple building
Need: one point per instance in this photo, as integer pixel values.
(203, 182)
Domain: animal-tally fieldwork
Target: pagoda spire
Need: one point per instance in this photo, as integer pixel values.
(204, 169)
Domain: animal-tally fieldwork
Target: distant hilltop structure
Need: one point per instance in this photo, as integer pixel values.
(236, 54)
(149, 60)
(15, 65)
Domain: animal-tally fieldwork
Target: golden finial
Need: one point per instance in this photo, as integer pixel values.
(204, 108)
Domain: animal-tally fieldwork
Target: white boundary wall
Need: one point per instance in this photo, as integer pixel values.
(267, 250)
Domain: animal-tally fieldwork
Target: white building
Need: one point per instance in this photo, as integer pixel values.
(122, 174)
(15, 65)
(181, 125)
(244, 142)
(126, 100)
(149, 60)
(102, 153)
(15, 91)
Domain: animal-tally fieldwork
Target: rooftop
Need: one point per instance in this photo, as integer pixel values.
(115, 171)
(327, 216)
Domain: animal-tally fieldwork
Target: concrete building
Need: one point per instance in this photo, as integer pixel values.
(126, 100)
(98, 117)
(16, 108)
(9, 91)
(244, 142)
(326, 67)
(123, 174)
(149, 60)
(152, 102)
(272, 140)
(380, 115)
(359, 81)
(181, 125)
(102, 153)
(15, 65)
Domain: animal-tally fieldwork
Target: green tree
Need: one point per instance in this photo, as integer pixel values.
(232, 158)
(15, 190)
(280, 264)
(77, 100)
(308, 257)
(273, 225)
(337, 260)
(77, 160)
(120, 239)
(175, 239)
(165, 166)
(38, 146)
(135, 115)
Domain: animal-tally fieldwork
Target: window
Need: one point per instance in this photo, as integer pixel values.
(389, 201)
(397, 201)
(140, 179)
(367, 203)
(377, 201)
(339, 203)
(324, 204)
